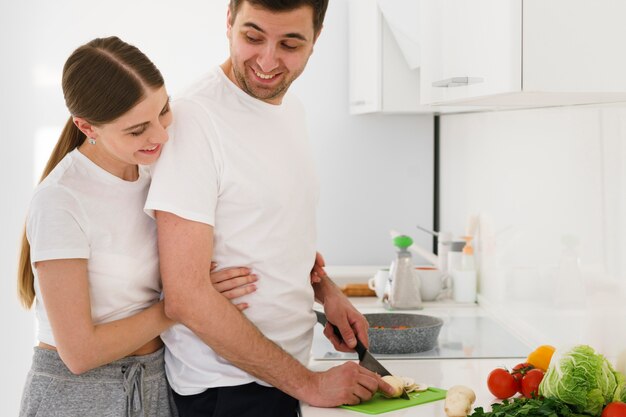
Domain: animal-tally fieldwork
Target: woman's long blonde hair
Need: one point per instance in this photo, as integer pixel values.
(102, 80)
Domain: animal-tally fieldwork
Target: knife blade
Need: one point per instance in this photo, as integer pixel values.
(366, 360)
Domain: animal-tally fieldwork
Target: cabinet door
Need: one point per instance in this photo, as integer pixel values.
(399, 84)
(574, 46)
(364, 40)
(470, 48)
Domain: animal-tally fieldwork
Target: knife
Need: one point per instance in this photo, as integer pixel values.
(366, 360)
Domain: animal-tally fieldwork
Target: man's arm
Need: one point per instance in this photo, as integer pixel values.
(340, 312)
(185, 250)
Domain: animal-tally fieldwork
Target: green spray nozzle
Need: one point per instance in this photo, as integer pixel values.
(402, 241)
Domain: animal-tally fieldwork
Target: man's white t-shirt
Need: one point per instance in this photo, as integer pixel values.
(82, 211)
(245, 167)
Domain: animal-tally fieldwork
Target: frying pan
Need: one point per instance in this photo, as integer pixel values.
(402, 333)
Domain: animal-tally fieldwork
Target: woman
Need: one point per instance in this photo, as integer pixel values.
(89, 254)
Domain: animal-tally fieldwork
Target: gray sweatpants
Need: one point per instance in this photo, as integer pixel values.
(129, 387)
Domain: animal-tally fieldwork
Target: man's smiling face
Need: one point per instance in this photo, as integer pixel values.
(269, 50)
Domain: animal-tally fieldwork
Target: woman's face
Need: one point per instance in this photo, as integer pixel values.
(135, 138)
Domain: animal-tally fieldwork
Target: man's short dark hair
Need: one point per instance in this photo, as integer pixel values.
(319, 8)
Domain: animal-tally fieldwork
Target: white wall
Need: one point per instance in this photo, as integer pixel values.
(375, 171)
(535, 178)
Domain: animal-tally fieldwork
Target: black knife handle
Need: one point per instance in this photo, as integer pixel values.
(360, 348)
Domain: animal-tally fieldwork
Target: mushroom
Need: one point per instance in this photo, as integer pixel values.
(411, 386)
(396, 383)
(459, 400)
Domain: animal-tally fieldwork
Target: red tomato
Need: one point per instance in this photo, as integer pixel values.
(614, 409)
(518, 373)
(501, 383)
(530, 383)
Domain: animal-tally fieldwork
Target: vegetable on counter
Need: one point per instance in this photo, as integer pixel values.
(548, 407)
(524, 378)
(540, 357)
(583, 379)
(614, 409)
(530, 383)
(577, 383)
(459, 401)
(528, 407)
(519, 371)
(502, 384)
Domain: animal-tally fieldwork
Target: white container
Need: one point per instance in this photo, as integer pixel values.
(454, 261)
(467, 262)
(464, 286)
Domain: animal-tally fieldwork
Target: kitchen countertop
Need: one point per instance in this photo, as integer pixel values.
(532, 320)
(440, 373)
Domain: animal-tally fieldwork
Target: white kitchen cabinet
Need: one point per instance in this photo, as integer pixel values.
(522, 53)
(381, 79)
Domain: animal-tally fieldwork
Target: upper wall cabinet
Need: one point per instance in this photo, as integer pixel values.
(384, 56)
(522, 53)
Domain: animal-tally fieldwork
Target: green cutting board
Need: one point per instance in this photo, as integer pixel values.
(379, 404)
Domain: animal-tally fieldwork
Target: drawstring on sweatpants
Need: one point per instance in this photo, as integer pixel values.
(133, 388)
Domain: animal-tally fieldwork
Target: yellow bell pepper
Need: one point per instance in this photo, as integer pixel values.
(540, 357)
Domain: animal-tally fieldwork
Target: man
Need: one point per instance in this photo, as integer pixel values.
(237, 185)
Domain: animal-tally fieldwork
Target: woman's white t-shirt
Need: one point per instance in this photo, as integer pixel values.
(82, 211)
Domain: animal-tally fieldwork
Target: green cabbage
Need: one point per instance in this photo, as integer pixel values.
(583, 379)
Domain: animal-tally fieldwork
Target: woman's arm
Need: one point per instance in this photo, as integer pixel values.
(233, 283)
(81, 344)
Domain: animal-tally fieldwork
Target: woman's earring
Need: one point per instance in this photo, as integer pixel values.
(92, 141)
